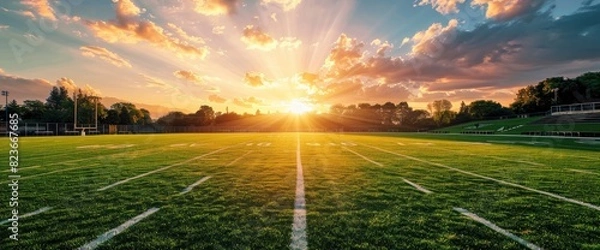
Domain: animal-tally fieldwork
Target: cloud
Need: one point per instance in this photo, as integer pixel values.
(287, 5)
(184, 35)
(188, 76)
(255, 38)
(217, 30)
(41, 7)
(346, 53)
(289, 43)
(503, 10)
(104, 54)
(4, 27)
(248, 102)
(274, 17)
(153, 82)
(216, 99)
(443, 6)
(21, 88)
(128, 29)
(71, 87)
(215, 7)
(256, 79)
(24, 13)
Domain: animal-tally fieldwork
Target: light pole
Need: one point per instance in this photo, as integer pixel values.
(5, 93)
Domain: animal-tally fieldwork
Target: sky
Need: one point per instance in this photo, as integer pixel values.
(269, 55)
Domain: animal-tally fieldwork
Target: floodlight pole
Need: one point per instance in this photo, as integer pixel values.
(5, 93)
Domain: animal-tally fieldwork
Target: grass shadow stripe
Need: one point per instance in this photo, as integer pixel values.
(117, 230)
(492, 179)
(362, 156)
(417, 186)
(160, 169)
(299, 239)
(36, 212)
(497, 228)
(190, 187)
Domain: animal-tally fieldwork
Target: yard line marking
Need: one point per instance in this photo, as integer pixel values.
(417, 186)
(364, 157)
(237, 159)
(249, 144)
(160, 169)
(39, 211)
(582, 171)
(21, 168)
(299, 227)
(496, 228)
(492, 179)
(401, 144)
(117, 230)
(190, 187)
(53, 172)
(268, 144)
(496, 157)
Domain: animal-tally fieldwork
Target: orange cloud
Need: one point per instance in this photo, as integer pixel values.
(188, 76)
(507, 9)
(215, 7)
(248, 102)
(104, 54)
(256, 79)
(20, 88)
(346, 52)
(285, 4)
(428, 42)
(41, 8)
(127, 29)
(185, 35)
(443, 6)
(255, 38)
(289, 43)
(216, 99)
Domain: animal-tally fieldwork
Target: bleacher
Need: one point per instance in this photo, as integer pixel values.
(570, 119)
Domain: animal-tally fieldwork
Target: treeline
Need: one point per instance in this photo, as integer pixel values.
(536, 98)
(59, 108)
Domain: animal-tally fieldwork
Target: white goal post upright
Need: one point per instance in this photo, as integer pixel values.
(83, 128)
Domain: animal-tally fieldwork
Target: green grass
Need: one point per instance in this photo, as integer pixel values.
(519, 125)
(351, 203)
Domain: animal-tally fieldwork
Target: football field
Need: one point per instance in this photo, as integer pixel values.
(302, 191)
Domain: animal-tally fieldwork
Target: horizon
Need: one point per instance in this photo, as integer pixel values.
(285, 55)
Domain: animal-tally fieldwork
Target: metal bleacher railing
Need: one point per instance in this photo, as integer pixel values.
(577, 108)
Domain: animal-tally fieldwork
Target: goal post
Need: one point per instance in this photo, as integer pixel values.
(94, 122)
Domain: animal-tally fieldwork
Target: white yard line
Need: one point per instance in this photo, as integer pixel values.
(160, 169)
(189, 188)
(417, 186)
(364, 157)
(237, 159)
(582, 171)
(492, 179)
(21, 168)
(299, 241)
(39, 211)
(497, 228)
(117, 230)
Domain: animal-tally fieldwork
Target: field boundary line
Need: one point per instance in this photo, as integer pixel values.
(364, 157)
(160, 169)
(492, 179)
(496, 228)
(36, 212)
(582, 171)
(190, 187)
(299, 241)
(117, 230)
(417, 186)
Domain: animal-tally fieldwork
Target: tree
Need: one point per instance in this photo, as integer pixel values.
(440, 111)
(337, 109)
(402, 111)
(112, 117)
(33, 110)
(592, 82)
(59, 106)
(481, 109)
(206, 115)
(146, 118)
(124, 117)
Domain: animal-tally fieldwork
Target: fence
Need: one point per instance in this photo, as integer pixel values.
(578, 108)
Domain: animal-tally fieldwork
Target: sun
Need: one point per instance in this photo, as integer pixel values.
(299, 107)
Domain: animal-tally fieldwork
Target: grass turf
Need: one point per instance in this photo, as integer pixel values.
(352, 203)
